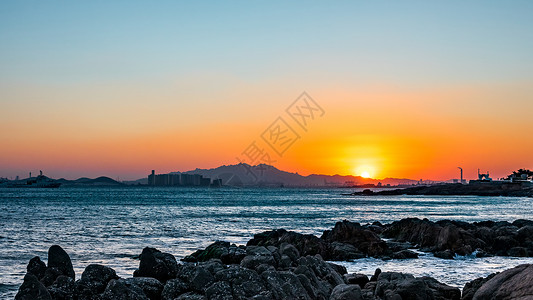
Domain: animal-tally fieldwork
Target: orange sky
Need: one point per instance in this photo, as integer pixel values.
(409, 89)
(384, 130)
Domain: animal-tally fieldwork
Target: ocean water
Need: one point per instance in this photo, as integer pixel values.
(111, 226)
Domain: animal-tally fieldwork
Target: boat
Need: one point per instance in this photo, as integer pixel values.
(40, 181)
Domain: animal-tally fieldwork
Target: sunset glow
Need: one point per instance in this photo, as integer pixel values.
(92, 100)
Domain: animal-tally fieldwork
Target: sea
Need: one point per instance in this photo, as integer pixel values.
(111, 225)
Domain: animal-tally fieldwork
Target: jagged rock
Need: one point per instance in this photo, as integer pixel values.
(518, 252)
(50, 276)
(346, 292)
(244, 282)
(220, 290)
(151, 287)
(156, 264)
(446, 254)
(32, 289)
(62, 288)
(191, 296)
(119, 289)
(441, 290)
(94, 279)
(359, 279)
(284, 285)
(36, 267)
(404, 254)
(471, 287)
(376, 275)
(253, 261)
(340, 269)
(226, 252)
(290, 251)
(59, 259)
(307, 244)
(173, 288)
(515, 283)
(366, 241)
(406, 286)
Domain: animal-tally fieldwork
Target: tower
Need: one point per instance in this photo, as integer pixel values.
(462, 173)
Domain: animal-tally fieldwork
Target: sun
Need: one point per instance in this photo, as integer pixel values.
(365, 174)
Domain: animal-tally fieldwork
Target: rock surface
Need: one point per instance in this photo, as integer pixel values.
(515, 283)
(280, 264)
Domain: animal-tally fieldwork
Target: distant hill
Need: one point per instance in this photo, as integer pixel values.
(266, 175)
(100, 181)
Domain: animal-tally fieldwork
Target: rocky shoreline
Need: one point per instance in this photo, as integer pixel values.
(507, 189)
(281, 264)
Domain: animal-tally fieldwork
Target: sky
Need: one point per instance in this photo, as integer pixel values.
(410, 89)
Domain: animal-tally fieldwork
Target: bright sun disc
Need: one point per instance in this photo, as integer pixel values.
(365, 174)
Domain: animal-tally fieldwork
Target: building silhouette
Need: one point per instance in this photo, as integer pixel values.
(181, 180)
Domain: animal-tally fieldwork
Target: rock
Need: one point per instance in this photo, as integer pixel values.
(307, 244)
(376, 275)
(32, 289)
(340, 269)
(284, 285)
(446, 254)
(346, 292)
(393, 283)
(344, 252)
(404, 254)
(59, 259)
(50, 276)
(290, 251)
(213, 265)
(36, 267)
(441, 290)
(201, 279)
(151, 287)
(244, 282)
(359, 279)
(471, 287)
(515, 283)
(252, 261)
(366, 241)
(226, 252)
(62, 288)
(173, 288)
(119, 289)
(154, 263)
(518, 252)
(191, 296)
(220, 290)
(94, 279)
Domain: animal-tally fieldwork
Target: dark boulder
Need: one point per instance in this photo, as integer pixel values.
(471, 287)
(119, 289)
(173, 288)
(346, 292)
(36, 267)
(156, 264)
(392, 284)
(220, 290)
(515, 283)
(62, 288)
(364, 240)
(32, 289)
(226, 252)
(359, 279)
(94, 279)
(151, 287)
(306, 244)
(60, 260)
(404, 254)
